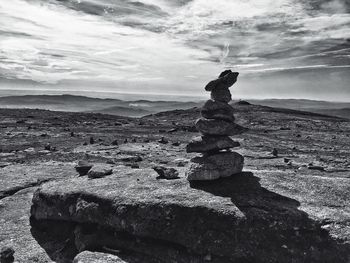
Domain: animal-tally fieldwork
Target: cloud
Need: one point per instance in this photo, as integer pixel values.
(175, 44)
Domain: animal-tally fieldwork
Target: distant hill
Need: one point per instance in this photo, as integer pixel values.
(87, 104)
(338, 109)
(124, 111)
(140, 108)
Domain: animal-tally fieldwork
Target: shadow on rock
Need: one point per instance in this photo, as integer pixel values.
(279, 230)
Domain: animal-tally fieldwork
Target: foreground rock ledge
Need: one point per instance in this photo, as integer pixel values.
(229, 220)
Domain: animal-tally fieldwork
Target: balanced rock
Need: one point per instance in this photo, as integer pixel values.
(226, 79)
(211, 144)
(223, 95)
(217, 110)
(218, 127)
(215, 166)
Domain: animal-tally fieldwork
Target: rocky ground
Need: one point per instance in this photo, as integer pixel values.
(290, 206)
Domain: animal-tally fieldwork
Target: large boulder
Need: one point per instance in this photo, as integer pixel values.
(218, 127)
(211, 144)
(240, 218)
(214, 166)
(217, 110)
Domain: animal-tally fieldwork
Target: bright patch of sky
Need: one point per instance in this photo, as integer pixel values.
(282, 48)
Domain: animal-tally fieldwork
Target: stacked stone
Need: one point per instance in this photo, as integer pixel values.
(216, 125)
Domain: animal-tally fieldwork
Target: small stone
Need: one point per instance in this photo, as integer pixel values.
(166, 173)
(315, 167)
(274, 152)
(211, 144)
(135, 166)
(217, 110)
(163, 140)
(212, 167)
(92, 140)
(223, 95)
(115, 143)
(218, 127)
(6, 255)
(47, 147)
(83, 168)
(99, 170)
(176, 144)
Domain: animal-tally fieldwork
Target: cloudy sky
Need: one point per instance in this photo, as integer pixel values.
(282, 48)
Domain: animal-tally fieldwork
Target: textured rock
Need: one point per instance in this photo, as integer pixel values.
(83, 167)
(217, 110)
(223, 95)
(166, 173)
(100, 170)
(218, 127)
(225, 80)
(97, 257)
(211, 167)
(210, 143)
(250, 220)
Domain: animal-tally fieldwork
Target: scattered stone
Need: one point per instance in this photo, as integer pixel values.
(315, 167)
(135, 166)
(211, 144)
(83, 167)
(163, 140)
(181, 162)
(6, 255)
(218, 127)
(286, 160)
(4, 164)
(72, 134)
(133, 140)
(176, 144)
(172, 130)
(118, 124)
(274, 152)
(125, 140)
(217, 110)
(92, 140)
(47, 147)
(146, 140)
(211, 167)
(115, 143)
(85, 143)
(166, 173)
(99, 171)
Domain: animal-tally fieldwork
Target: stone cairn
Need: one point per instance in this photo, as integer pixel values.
(216, 125)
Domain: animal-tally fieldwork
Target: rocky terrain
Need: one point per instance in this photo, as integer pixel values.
(290, 203)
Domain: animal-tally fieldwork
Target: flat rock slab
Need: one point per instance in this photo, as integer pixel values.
(234, 219)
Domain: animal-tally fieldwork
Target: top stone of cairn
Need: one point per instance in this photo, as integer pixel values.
(226, 79)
